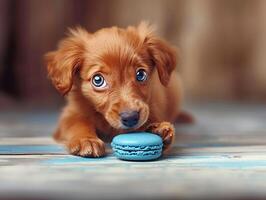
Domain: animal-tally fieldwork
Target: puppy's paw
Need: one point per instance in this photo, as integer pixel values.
(86, 147)
(167, 132)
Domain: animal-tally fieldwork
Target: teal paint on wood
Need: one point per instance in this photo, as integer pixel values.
(75, 160)
(31, 149)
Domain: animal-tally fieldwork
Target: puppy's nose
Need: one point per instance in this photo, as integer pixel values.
(129, 118)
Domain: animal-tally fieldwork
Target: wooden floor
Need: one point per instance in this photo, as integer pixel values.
(222, 156)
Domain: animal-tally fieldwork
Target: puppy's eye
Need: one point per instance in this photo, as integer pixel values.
(141, 75)
(98, 81)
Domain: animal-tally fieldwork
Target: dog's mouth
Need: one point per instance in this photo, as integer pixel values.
(133, 126)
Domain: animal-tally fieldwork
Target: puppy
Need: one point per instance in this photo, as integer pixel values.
(115, 80)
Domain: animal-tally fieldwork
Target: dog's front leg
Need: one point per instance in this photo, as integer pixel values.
(79, 135)
(167, 132)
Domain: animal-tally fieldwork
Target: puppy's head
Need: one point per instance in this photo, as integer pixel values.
(114, 68)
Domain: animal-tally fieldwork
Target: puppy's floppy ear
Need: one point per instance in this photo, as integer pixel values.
(163, 55)
(63, 63)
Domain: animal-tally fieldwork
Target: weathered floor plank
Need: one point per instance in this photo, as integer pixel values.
(222, 156)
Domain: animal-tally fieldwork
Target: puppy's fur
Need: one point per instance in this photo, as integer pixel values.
(92, 116)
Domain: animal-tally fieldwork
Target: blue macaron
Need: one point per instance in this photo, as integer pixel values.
(137, 146)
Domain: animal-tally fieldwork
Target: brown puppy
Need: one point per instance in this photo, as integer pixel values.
(116, 80)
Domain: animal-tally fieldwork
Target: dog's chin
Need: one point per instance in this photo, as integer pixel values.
(133, 128)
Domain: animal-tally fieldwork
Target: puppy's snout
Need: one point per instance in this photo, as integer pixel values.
(129, 118)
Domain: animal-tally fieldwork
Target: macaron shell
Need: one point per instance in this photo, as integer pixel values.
(137, 139)
(141, 156)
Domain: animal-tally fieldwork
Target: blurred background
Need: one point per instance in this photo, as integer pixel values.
(222, 43)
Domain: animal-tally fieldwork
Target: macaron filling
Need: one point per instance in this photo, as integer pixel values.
(142, 153)
(138, 148)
